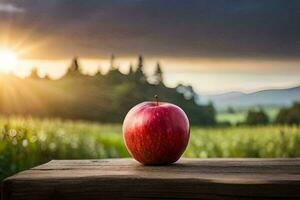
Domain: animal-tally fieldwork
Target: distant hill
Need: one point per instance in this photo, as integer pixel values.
(272, 97)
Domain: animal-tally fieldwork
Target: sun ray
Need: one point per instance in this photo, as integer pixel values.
(8, 60)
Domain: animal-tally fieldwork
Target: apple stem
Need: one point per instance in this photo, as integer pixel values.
(156, 98)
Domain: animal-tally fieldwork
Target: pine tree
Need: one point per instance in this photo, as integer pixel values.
(112, 62)
(130, 69)
(74, 67)
(34, 73)
(158, 75)
(113, 69)
(131, 73)
(98, 72)
(139, 74)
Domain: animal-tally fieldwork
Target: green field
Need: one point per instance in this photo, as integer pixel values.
(240, 115)
(27, 142)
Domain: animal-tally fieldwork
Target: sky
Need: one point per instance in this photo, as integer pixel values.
(215, 45)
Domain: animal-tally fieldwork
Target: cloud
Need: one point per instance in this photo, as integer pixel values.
(173, 28)
(10, 8)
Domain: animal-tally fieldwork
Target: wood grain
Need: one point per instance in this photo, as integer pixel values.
(187, 179)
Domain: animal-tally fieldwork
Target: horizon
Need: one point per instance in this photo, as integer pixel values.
(173, 74)
(215, 46)
(91, 66)
(196, 78)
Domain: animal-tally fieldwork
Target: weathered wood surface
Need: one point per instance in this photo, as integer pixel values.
(187, 179)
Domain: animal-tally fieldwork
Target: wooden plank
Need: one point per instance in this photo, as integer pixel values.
(187, 179)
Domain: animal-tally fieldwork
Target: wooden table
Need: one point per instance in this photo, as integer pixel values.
(187, 179)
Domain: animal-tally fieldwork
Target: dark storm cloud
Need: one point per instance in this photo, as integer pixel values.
(187, 28)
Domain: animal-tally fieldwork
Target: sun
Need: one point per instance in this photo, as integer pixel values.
(8, 60)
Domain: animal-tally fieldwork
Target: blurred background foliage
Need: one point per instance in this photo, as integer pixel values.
(103, 98)
(27, 142)
(79, 117)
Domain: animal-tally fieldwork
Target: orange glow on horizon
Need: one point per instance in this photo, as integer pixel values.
(8, 60)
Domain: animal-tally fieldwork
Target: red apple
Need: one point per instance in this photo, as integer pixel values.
(156, 133)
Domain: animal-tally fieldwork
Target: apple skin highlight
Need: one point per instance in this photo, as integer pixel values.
(156, 133)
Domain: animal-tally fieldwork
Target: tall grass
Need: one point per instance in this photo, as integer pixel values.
(26, 142)
(258, 142)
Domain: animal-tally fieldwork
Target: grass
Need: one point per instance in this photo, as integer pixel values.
(258, 142)
(240, 115)
(26, 142)
(233, 118)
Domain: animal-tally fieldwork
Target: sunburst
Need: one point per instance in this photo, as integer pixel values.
(8, 60)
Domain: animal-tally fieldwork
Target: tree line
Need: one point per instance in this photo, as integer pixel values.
(101, 97)
(287, 115)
